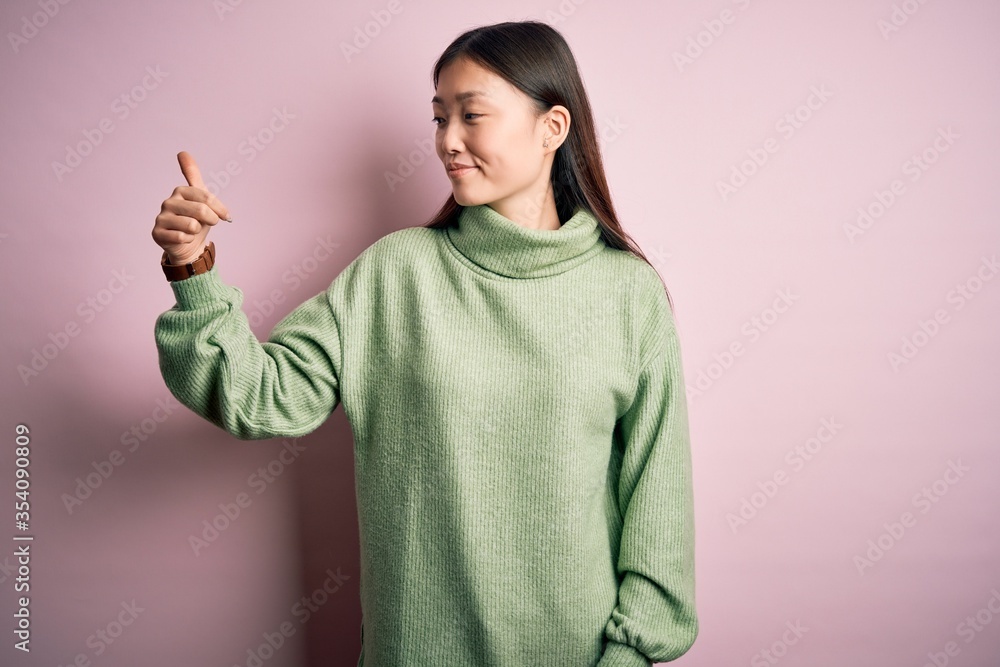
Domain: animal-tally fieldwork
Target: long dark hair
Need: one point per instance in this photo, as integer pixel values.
(535, 58)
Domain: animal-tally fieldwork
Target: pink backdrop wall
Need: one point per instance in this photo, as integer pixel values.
(816, 182)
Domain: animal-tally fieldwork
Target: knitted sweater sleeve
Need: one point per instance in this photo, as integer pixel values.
(214, 364)
(655, 619)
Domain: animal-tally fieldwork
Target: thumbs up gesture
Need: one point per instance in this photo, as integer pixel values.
(186, 215)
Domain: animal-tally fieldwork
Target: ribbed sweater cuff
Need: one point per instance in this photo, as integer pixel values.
(200, 290)
(622, 655)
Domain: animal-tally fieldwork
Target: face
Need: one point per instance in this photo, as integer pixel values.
(487, 124)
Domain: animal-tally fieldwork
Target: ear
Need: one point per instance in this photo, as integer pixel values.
(557, 122)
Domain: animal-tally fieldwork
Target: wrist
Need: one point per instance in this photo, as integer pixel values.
(181, 268)
(178, 260)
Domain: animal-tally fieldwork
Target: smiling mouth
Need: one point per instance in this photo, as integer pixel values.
(461, 171)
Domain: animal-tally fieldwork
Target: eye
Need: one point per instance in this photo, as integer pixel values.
(435, 119)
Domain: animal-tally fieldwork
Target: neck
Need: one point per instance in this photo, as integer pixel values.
(535, 210)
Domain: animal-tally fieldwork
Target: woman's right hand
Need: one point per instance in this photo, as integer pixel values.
(187, 215)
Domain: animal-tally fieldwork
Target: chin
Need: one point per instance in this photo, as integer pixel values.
(465, 200)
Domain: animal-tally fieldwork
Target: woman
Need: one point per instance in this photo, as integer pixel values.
(512, 375)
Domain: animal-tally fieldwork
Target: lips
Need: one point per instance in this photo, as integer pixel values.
(456, 170)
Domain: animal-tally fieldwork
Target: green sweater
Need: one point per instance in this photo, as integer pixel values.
(521, 445)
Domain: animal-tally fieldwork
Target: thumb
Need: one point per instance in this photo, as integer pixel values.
(190, 170)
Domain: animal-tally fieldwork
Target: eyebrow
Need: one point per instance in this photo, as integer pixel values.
(460, 97)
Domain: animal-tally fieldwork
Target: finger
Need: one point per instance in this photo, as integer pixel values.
(190, 170)
(194, 210)
(219, 207)
(193, 175)
(188, 193)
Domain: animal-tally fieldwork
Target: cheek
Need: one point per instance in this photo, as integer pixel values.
(504, 154)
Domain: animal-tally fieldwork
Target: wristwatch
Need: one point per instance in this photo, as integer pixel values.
(201, 264)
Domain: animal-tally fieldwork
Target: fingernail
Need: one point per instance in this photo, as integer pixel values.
(229, 219)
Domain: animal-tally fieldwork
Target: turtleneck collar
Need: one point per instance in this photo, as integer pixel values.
(500, 245)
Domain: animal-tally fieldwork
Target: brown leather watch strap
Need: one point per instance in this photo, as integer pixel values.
(202, 264)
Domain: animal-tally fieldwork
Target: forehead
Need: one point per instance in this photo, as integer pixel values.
(464, 80)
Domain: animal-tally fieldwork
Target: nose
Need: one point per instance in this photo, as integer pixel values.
(450, 138)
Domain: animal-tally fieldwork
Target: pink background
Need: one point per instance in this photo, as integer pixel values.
(673, 133)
